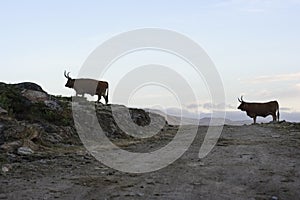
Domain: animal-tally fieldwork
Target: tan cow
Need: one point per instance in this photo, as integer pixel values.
(88, 86)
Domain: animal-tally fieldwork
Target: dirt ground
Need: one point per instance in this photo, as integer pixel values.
(249, 162)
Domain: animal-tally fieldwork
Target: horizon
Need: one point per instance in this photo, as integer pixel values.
(253, 45)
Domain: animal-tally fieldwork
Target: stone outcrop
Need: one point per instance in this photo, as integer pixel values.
(32, 120)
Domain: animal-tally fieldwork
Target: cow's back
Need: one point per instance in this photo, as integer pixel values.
(263, 109)
(86, 86)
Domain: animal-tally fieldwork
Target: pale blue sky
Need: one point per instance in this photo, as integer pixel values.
(254, 44)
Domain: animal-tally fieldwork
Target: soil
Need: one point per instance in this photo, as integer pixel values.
(248, 162)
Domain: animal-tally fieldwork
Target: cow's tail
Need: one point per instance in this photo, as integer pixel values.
(278, 114)
(106, 96)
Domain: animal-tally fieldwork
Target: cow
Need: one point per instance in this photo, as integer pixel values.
(260, 109)
(88, 86)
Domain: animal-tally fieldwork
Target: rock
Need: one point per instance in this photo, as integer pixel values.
(34, 96)
(11, 146)
(140, 117)
(3, 111)
(6, 168)
(25, 151)
(53, 105)
(19, 131)
(38, 119)
(29, 86)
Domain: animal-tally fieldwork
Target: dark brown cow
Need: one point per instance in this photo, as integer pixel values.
(88, 86)
(260, 109)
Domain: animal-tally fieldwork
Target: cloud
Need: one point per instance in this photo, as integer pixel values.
(193, 106)
(285, 109)
(181, 112)
(220, 106)
(209, 106)
(275, 78)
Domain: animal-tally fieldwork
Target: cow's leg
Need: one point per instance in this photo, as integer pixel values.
(99, 97)
(254, 120)
(274, 117)
(106, 99)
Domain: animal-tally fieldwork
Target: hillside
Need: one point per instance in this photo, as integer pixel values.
(42, 156)
(33, 119)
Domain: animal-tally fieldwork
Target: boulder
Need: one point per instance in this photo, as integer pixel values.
(29, 86)
(25, 151)
(53, 105)
(6, 168)
(35, 96)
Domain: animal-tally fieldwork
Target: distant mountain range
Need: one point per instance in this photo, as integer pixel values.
(205, 121)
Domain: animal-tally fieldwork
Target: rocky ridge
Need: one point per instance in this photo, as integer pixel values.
(33, 120)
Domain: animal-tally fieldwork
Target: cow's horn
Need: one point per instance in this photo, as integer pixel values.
(67, 75)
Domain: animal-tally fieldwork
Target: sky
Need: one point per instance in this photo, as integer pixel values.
(254, 45)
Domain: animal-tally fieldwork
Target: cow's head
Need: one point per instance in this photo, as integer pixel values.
(243, 106)
(70, 82)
